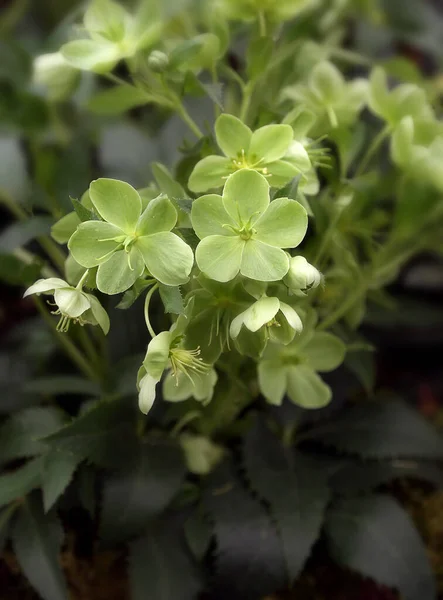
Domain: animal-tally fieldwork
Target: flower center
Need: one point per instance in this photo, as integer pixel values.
(187, 362)
(248, 162)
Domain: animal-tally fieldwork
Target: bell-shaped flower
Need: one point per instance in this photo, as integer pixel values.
(302, 276)
(405, 100)
(114, 34)
(242, 231)
(262, 151)
(73, 304)
(181, 387)
(128, 240)
(277, 320)
(293, 369)
(326, 93)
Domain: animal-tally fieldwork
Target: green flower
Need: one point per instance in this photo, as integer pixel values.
(242, 231)
(56, 75)
(262, 151)
(277, 320)
(128, 240)
(114, 35)
(326, 93)
(292, 369)
(201, 454)
(73, 304)
(392, 106)
(180, 387)
(302, 276)
(418, 147)
(272, 10)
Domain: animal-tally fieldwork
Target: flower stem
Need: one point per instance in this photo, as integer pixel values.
(246, 102)
(378, 140)
(186, 118)
(67, 344)
(146, 309)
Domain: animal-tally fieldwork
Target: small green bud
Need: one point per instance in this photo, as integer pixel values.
(301, 275)
(158, 61)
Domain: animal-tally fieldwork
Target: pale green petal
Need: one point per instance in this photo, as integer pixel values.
(177, 389)
(157, 355)
(379, 101)
(263, 262)
(91, 55)
(298, 156)
(208, 216)
(232, 135)
(117, 202)
(146, 395)
(246, 195)
(272, 381)
(107, 18)
(280, 172)
(120, 272)
(71, 302)
(260, 313)
(219, 257)
(306, 388)
(210, 173)
(283, 225)
(402, 142)
(99, 313)
(270, 143)
(291, 316)
(159, 215)
(324, 351)
(92, 243)
(167, 257)
(327, 82)
(46, 285)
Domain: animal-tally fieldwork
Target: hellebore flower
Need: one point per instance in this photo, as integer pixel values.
(242, 231)
(73, 304)
(181, 387)
(128, 240)
(302, 276)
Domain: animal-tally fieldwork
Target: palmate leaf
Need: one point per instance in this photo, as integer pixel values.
(160, 568)
(384, 428)
(36, 540)
(58, 470)
(18, 483)
(136, 495)
(296, 491)
(172, 299)
(374, 536)
(249, 561)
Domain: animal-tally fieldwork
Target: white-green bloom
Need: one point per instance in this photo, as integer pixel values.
(302, 275)
(201, 454)
(200, 386)
(73, 304)
(279, 320)
(56, 75)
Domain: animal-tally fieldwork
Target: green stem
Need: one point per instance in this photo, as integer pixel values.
(146, 309)
(246, 101)
(344, 307)
(378, 140)
(186, 118)
(350, 57)
(262, 23)
(66, 343)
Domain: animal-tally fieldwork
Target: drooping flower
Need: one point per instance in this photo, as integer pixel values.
(242, 231)
(73, 304)
(179, 387)
(128, 240)
(302, 276)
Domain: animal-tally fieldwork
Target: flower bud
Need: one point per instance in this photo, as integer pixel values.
(51, 71)
(201, 454)
(158, 61)
(301, 275)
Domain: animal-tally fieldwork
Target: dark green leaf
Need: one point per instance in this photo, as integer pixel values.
(20, 434)
(86, 488)
(21, 233)
(290, 190)
(57, 473)
(172, 299)
(184, 204)
(83, 213)
(117, 100)
(16, 65)
(381, 429)
(105, 435)
(160, 568)
(14, 271)
(62, 385)
(133, 497)
(18, 483)
(362, 364)
(374, 536)
(131, 295)
(198, 534)
(296, 492)
(5, 519)
(73, 173)
(249, 561)
(36, 539)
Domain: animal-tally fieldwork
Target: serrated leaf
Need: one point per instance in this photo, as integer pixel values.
(184, 204)
(20, 434)
(290, 190)
(58, 470)
(295, 490)
(105, 435)
(20, 482)
(133, 497)
(36, 540)
(172, 299)
(5, 519)
(62, 385)
(381, 429)
(160, 568)
(249, 561)
(83, 213)
(374, 536)
(133, 294)
(21, 233)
